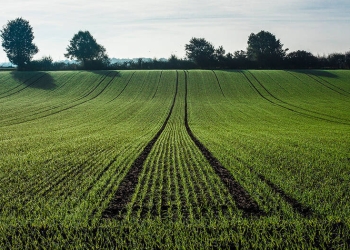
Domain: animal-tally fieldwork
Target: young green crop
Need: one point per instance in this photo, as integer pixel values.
(68, 139)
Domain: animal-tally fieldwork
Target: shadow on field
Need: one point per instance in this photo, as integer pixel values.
(314, 72)
(106, 73)
(39, 80)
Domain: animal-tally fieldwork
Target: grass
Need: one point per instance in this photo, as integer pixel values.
(68, 139)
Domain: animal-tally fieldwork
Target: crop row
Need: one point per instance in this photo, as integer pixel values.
(210, 148)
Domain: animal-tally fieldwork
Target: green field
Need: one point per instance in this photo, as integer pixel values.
(175, 159)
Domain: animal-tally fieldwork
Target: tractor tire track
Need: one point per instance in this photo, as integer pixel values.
(242, 198)
(69, 107)
(295, 204)
(122, 197)
(67, 103)
(160, 77)
(123, 88)
(109, 181)
(52, 107)
(20, 84)
(287, 108)
(334, 86)
(217, 79)
(25, 87)
(278, 99)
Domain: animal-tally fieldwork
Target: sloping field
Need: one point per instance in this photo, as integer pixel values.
(184, 159)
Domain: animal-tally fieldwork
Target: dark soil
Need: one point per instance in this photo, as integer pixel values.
(117, 207)
(242, 198)
(297, 206)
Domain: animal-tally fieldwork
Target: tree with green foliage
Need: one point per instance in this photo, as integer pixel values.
(201, 52)
(17, 41)
(84, 48)
(265, 50)
(220, 57)
(301, 59)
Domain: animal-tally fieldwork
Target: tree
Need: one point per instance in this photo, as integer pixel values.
(265, 49)
(201, 52)
(301, 59)
(84, 48)
(337, 60)
(17, 41)
(219, 56)
(45, 63)
(173, 62)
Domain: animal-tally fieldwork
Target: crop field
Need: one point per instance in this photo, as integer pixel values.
(175, 159)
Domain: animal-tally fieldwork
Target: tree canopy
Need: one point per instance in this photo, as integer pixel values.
(200, 51)
(301, 59)
(84, 48)
(265, 49)
(17, 41)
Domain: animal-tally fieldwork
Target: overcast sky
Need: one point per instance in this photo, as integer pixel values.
(154, 28)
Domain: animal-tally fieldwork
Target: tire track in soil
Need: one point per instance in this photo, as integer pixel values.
(67, 108)
(19, 85)
(287, 103)
(318, 79)
(107, 190)
(296, 205)
(217, 79)
(160, 77)
(241, 197)
(123, 88)
(278, 99)
(290, 109)
(27, 86)
(117, 206)
(41, 110)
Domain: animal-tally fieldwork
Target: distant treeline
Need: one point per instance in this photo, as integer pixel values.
(200, 54)
(264, 51)
(294, 60)
(239, 60)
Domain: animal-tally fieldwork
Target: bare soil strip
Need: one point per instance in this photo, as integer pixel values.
(117, 206)
(242, 198)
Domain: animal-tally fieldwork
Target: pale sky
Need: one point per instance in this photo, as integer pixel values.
(154, 28)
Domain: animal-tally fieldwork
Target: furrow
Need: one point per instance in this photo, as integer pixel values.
(217, 79)
(278, 99)
(287, 103)
(333, 88)
(127, 187)
(21, 85)
(160, 77)
(42, 110)
(123, 88)
(69, 107)
(243, 200)
(287, 108)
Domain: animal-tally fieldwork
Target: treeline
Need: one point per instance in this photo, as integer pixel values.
(264, 51)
